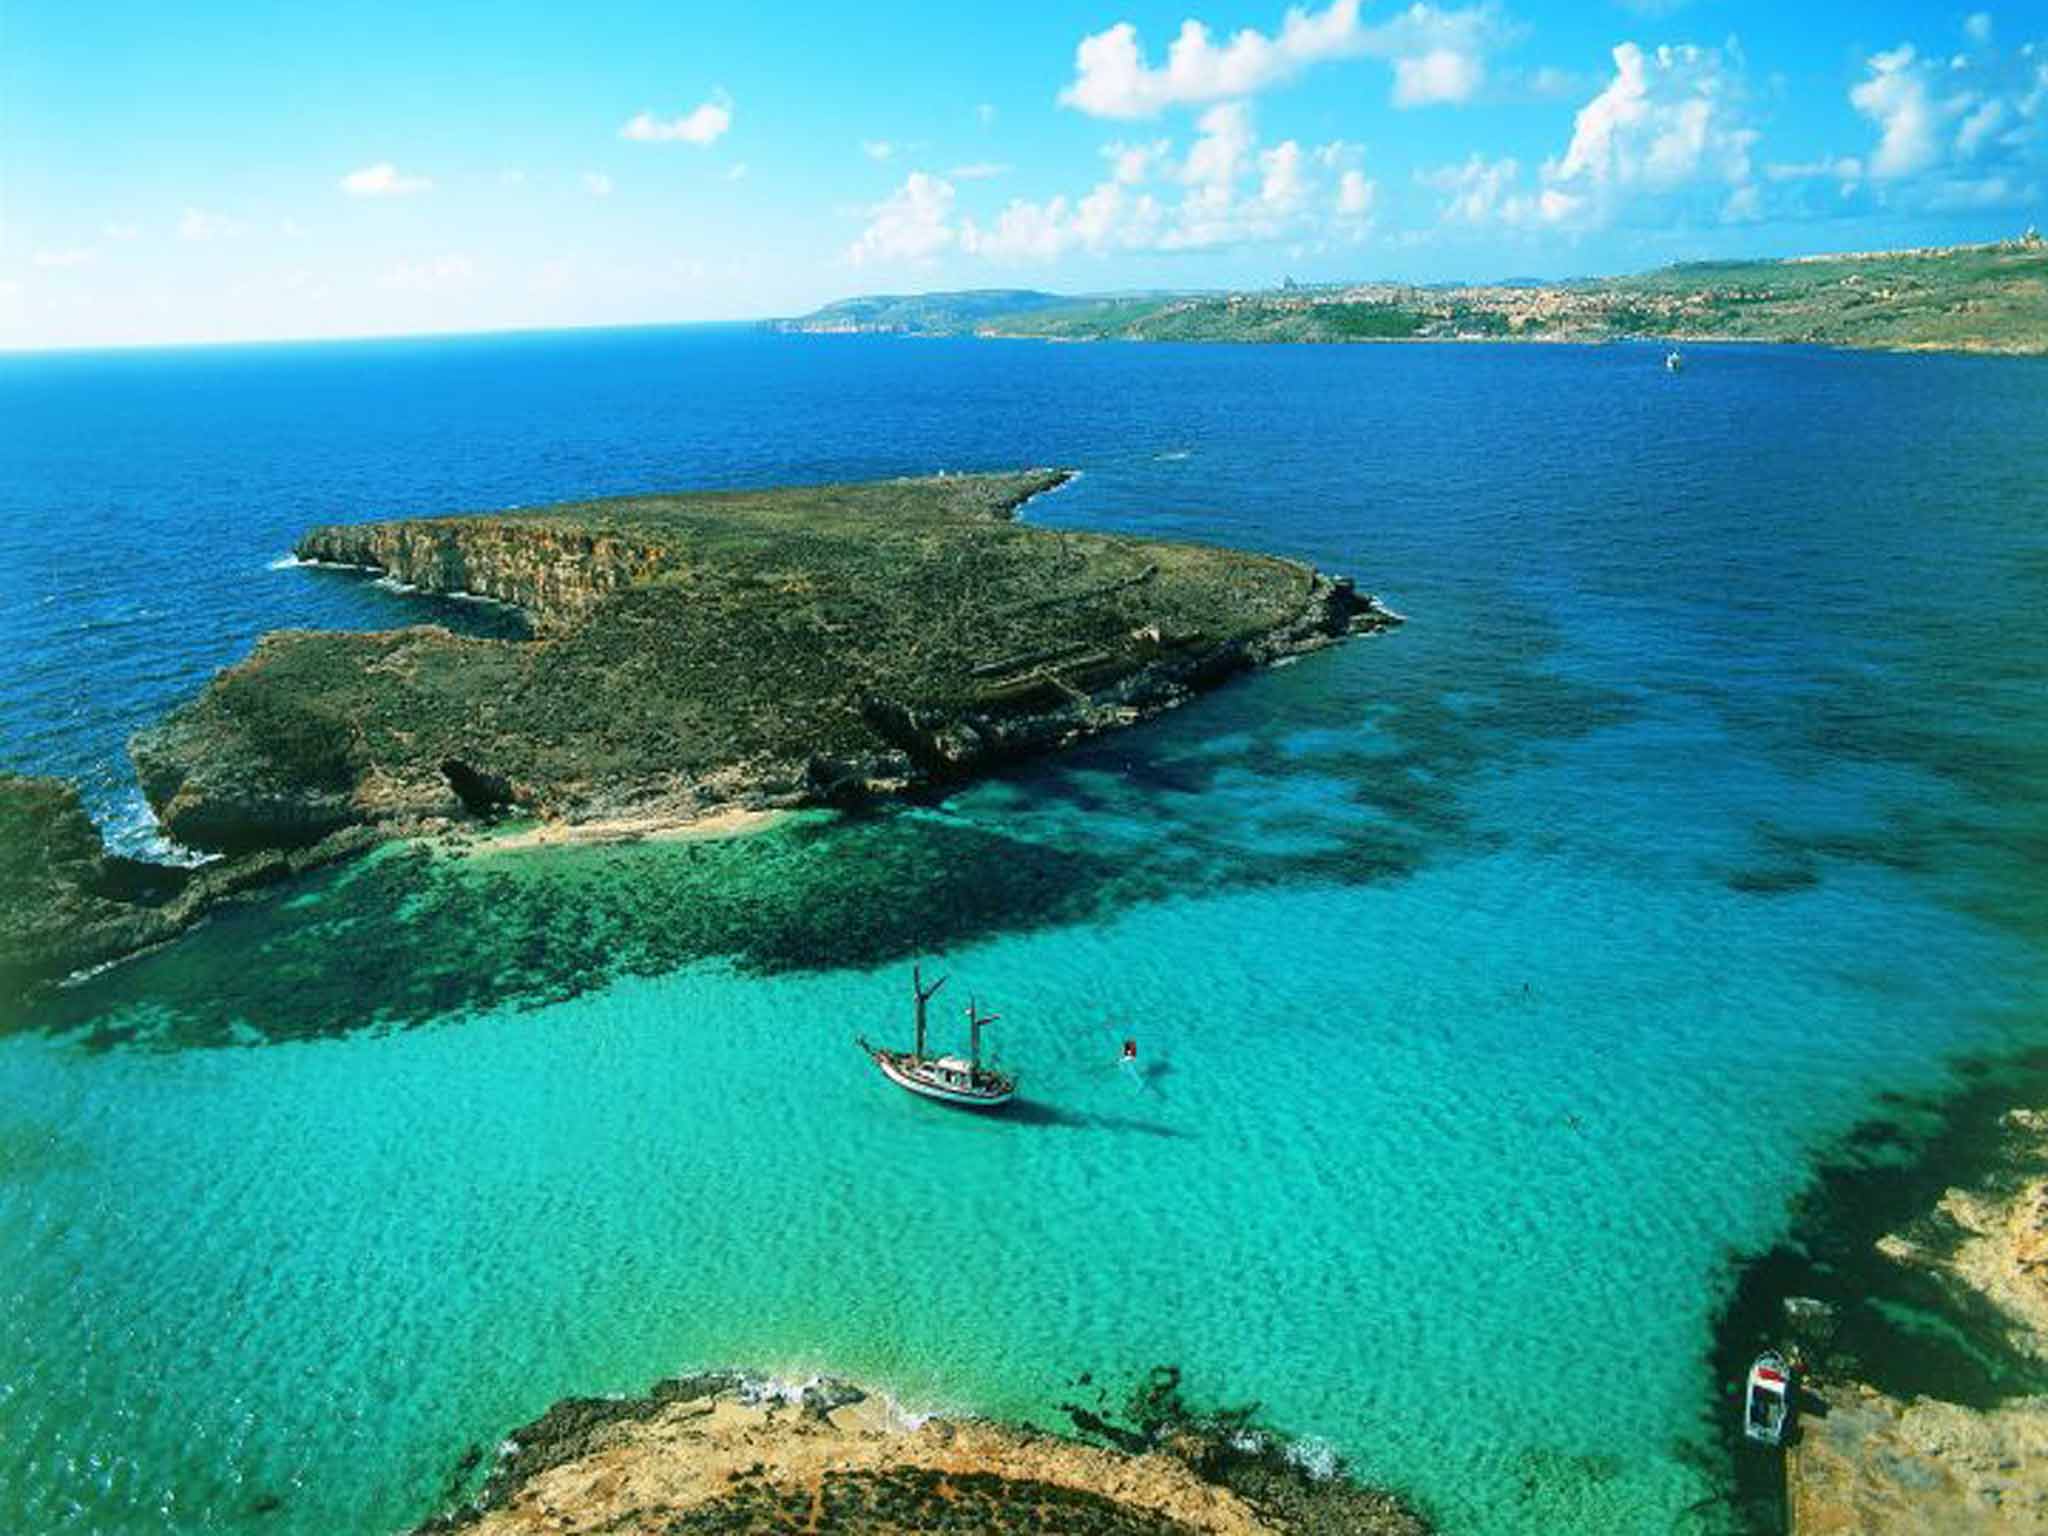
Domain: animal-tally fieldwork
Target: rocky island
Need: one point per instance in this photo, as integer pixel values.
(689, 655)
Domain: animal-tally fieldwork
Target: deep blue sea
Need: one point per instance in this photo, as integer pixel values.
(1496, 978)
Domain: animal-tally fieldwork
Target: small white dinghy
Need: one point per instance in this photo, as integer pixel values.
(1767, 1404)
(948, 1079)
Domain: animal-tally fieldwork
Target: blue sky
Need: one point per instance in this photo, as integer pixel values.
(230, 171)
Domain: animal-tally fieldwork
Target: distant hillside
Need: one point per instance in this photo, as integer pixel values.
(924, 314)
(1983, 298)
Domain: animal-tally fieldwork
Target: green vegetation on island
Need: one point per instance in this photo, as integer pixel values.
(1984, 298)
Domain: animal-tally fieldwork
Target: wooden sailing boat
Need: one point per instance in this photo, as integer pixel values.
(948, 1079)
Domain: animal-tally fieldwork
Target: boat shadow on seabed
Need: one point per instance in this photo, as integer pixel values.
(1038, 1112)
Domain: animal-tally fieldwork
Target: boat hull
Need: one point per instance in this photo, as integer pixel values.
(1768, 1400)
(894, 1065)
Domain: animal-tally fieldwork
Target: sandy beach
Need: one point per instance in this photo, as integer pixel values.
(662, 826)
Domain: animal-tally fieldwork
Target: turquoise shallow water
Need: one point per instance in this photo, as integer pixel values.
(1494, 979)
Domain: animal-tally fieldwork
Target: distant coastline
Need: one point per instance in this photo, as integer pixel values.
(1976, 298)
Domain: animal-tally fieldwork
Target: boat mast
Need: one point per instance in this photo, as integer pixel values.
(924, 995)
(975, 1020)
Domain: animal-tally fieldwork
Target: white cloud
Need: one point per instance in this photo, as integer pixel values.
(1980, 125)
(1847, 169)
(979, 170)
(1231, 191)
(877, 149)
(1896, 97)
(1549, 83)
(737, 171)
(1442, 74)
(122, 232)
(706, 123)
(1438, 56)
(1666, 118)
(511, 176)
(1977, 26)
(1984, 112)
(1133, 164)
(985, 114)
(66, 256)
(383, 180)
(1476, 189)
(1355, 195)
(1283, 186)
(597, 184)
(1666, 122)
(1219, 154)
(1967, 194)
(911, 224)
(1108, 216)
(1484, 192)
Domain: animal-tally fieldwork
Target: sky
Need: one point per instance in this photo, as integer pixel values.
(222, 171)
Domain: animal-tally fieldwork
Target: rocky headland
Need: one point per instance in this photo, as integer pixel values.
(725, 1452)
(1879, 1453)
(689, 657)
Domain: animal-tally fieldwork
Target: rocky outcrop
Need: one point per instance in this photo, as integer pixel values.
(703, 652)
(1877, 1466)
(951, 743)
(723, 1451)
(67, 905)
(1874, 1464)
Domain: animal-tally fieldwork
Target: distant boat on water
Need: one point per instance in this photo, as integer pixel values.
(963, 1081)
(1673, 360)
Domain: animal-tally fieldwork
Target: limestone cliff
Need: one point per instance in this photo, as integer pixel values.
(555, 575)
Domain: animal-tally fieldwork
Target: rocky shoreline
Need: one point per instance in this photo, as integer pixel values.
(67, 906)
(724, 1451)
(1915, 1288)
(691, 659)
